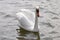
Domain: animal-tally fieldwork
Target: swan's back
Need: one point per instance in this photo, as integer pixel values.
(28, 13)
(26, 19)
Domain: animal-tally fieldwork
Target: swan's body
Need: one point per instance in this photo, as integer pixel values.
(28, 22)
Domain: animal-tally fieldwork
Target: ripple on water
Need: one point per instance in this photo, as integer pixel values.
(55, 18)
(53, 32)
(8, 16)
(49, 24)
(47, 38)
(2, 13)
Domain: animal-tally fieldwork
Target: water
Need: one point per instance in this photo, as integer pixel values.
(49, 21)
(27, 35)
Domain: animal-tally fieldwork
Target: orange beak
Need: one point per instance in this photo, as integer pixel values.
(37, 12)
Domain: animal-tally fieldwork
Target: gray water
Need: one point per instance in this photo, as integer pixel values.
(49, 21)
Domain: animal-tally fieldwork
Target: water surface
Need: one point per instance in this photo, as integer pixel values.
(49, 21)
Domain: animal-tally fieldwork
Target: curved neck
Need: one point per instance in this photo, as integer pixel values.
(36, 19)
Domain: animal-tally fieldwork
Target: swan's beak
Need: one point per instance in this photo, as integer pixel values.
(37, 11)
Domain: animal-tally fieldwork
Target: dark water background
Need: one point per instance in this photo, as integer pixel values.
(50, 23)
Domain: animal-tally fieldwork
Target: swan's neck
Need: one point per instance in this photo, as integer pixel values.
(36, 22)
(36, 19)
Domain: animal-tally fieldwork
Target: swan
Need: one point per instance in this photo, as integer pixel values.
(28, 20)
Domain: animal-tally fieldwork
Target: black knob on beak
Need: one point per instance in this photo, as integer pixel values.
(37, 12)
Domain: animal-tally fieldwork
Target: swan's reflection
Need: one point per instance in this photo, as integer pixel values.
(27, 35)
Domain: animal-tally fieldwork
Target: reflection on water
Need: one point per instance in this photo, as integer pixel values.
(27, 35)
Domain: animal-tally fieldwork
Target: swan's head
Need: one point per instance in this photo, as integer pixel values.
(37, 7)
(37, 11)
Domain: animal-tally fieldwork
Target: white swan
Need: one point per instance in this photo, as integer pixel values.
(28, 20)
